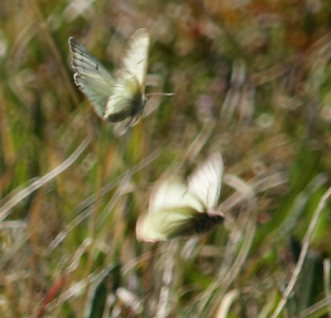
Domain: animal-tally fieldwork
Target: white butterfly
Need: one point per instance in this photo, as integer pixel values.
(178, 208)
(116, 99)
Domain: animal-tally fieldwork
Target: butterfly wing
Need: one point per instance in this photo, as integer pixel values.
(126, 100)
(171, 209)
(136, 56)
(173, 222)
(91, 76)
(172, 193)
(165, 224)
(205, 182)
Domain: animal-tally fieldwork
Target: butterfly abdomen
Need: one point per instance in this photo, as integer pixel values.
(196, 224)
(203, 222)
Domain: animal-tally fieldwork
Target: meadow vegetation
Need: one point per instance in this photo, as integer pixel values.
(252, 80)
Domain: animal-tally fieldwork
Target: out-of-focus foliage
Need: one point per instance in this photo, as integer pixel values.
(252, 79)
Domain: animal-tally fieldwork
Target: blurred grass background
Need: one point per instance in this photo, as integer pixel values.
(252, 79)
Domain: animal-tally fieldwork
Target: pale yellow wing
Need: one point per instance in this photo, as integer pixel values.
(165, 224)
(136, 55)
(126, 100)
(172, 192)
(174, 222)
(205, 182)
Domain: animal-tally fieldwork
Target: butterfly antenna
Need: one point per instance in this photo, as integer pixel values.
(159, 94)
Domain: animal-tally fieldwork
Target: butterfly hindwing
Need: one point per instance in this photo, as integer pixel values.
(164, 224)
(169, 223)
(126, 100)
(91, 77)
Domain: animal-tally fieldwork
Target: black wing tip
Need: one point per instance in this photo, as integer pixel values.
(74, 45)
(76, 50)
(72, 40)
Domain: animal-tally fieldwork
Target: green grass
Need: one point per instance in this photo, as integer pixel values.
(252, 81)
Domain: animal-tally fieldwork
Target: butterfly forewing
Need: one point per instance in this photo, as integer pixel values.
(205, 182)
(91, 77)
(127, 98)
(136, 56)
(172, 192)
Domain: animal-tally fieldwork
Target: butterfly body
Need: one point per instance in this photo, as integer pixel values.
(119, 98)
(203, 222)
(192, 222)
(129, 101)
